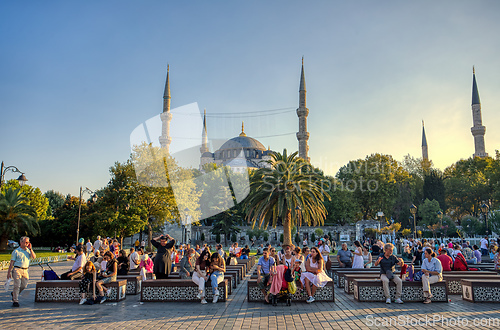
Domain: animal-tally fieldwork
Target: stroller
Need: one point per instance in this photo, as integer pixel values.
(48, 275)
(279, 287)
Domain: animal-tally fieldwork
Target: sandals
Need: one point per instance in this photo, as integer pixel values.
(427, 301)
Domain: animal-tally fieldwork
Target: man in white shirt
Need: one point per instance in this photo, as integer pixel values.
(484, 246)
(88, 246)
(97, 244)
(134, 259)
(76, 271)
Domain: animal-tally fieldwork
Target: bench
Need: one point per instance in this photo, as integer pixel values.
(481, 290)
(230, 277)
(68, 291)
(326, 293)
(338, 275)
(452, 278)
(371, 290)
(133, 283)
(178, 290)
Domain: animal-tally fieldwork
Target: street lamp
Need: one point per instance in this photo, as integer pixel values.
(21, 179)
(440, 217)
(380, 215)
(94, 199)
(413, 211)
(485, 208)
(184, 226)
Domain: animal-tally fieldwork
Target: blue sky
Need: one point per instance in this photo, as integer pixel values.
(77, 78)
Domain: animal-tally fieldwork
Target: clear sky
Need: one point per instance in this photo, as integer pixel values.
(76, 77)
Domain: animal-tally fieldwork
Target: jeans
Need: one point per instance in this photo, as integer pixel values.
(200, 281)
(472, 261)
(216, 278)
(244, 256)
(484, 252)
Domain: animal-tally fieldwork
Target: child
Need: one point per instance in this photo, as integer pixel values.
(145, 266)
(296, 273)
(87, 283)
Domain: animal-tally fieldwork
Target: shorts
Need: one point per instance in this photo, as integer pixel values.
(107, 280)
(265, 284)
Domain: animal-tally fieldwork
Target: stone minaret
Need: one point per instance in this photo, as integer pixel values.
(204, 136)
(302, 113)
(478, 129)
(166, 117)
(425, 152)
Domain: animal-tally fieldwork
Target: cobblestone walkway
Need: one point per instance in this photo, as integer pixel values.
(237, 313)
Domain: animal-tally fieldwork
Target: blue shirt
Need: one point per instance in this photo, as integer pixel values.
(21, 257)
(433, 266)
(265, 265)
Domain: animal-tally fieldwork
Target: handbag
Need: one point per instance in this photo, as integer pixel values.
(418, 276)
(288, 274)
(292, 287)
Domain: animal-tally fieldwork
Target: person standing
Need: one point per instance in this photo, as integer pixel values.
(18, 268)
(387, 261)
(324, 249)
(97, 244)
(163, 258)
(137, 244)
(89, 247)
(358, 261)
(484, 245)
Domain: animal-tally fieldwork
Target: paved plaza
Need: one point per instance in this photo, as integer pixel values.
(237, 313)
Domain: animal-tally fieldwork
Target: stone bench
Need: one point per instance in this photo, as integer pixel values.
(327, 293)
(133, 283)
(371, 290)
(178, 290)
(69, 291)
(487, 291)
(239, 268)
(453, 279)
(230, 277)
(339, 279)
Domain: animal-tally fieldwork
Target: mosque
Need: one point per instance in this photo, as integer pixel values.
(240, 152)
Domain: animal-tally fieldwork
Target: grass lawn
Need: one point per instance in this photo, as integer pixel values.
(5, 255)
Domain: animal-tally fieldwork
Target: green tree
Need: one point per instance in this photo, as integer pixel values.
(374, 182)
(434, 187)
(34, 197)
(313, 237)
(319, 232)
(217, 238)
(342, 208)
(158, 175)
(297, 239)
(17, 216)
(290, 184)
(202, 238)
(428, 213)
(266, 236)
(281, 238)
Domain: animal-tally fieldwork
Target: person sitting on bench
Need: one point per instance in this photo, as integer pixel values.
(344, 257)
(76, 271)
(387, 261)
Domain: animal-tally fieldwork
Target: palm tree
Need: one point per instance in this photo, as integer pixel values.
(16, 216)
(291, 190)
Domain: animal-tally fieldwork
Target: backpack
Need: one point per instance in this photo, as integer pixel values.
(460, 264)
(288, 274)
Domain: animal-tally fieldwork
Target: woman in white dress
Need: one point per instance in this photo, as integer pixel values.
(358, 261)
(315, 274)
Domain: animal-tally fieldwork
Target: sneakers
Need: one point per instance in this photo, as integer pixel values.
(102, 300)
(82, 301)
(108, 293)
(310, 300)
(398, 301)
(216, 297)
(15, 304)
(427, 301)
(216, 292)
(203, 301)
(388, 301)
(198, 295)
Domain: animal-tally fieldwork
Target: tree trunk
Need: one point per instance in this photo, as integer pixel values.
(150, 237)
(4, 240)
(287, 229)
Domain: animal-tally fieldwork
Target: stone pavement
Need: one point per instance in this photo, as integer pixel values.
(237, 313)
